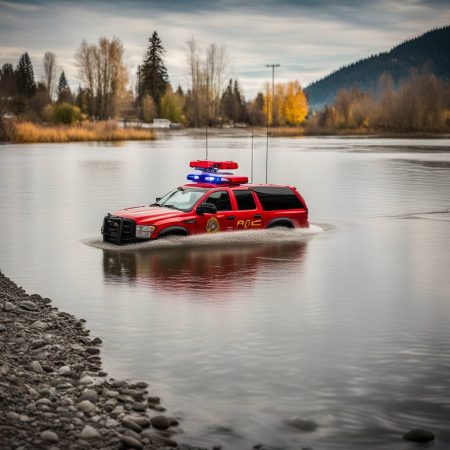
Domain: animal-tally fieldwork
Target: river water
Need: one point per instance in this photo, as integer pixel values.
(347, 325)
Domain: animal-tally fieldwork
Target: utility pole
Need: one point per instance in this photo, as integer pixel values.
(273, 111)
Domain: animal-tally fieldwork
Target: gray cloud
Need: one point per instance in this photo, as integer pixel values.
(308, 38)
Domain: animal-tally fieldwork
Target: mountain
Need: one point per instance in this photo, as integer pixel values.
(430, 50)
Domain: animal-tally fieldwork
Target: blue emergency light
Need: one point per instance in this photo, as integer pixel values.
(206, 178)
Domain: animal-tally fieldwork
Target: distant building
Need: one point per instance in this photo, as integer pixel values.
(161, 123)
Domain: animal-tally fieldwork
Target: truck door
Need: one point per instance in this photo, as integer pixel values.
(223, 220)
(246, 212)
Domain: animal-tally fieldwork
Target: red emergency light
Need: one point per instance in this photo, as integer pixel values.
(202, 164)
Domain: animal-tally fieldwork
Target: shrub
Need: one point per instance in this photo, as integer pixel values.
(66, 114)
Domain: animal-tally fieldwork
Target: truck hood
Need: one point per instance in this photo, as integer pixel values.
(147, 214)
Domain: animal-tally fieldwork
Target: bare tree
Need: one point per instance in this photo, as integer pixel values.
(216, 69)
(49, 62)
(207, 79)
(104, 73)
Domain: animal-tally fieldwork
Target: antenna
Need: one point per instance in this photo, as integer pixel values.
(206, 115)
(251, 173)
(273, 112)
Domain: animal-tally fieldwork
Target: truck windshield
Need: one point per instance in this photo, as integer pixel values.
(182, 198)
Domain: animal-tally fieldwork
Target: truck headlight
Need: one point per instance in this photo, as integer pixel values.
(144, 231)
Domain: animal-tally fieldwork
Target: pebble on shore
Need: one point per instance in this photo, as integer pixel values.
(53, 391)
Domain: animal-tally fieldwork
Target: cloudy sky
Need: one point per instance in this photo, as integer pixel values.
(308, 38)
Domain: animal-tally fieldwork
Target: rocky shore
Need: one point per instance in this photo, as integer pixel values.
(53, 391)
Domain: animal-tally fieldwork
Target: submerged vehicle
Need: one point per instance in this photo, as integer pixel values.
(214, 201)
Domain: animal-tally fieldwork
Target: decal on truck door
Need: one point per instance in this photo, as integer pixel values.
(212, 226)
(249, 223)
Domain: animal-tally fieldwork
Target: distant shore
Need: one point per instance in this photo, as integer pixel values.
(109, 131)
(54, 392)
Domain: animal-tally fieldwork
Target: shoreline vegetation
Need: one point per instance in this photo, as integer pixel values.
(28, 132)
(54, 392)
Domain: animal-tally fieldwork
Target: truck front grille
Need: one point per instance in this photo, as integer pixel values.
(118, 230)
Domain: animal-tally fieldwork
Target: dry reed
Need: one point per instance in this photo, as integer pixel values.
(28, 132)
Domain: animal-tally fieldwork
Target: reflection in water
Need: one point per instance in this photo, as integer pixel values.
(200, 268)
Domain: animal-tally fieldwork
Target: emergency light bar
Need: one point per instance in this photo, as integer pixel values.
(216, 178)
(212, 166)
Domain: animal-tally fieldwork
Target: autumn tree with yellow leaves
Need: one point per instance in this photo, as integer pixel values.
(290, 106)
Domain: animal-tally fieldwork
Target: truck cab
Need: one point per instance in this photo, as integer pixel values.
(215, 202)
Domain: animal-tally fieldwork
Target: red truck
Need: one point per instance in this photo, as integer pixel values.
(214, 201)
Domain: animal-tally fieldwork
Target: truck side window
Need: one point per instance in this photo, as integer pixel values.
(244, 200)
(221, 199)
(274, 197)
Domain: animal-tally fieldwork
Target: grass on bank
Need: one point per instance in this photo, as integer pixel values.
(28, 132)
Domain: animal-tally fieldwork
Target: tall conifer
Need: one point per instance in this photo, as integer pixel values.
(153, 71)
(64, 94)
(25, 83)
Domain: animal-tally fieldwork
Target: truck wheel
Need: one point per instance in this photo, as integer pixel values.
(171, 233)
(281, 224)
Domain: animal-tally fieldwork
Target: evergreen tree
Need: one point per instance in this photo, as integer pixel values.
(7, 81)
(153, 71)
(232, 103)
(179, 91)
(25, 83)
(64, 93)
(139, 87)
(241, 115)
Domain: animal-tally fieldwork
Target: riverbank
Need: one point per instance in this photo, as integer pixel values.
(28, 132)
(54, 392)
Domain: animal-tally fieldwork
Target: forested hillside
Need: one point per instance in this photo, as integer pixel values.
(430, 51)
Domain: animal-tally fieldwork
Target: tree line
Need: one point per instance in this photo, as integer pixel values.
(105, 90)
(418, 103)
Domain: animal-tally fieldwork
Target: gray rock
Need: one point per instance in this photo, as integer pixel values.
(89, 432)
(49, 436)
(87, 407)
(128, 423)
(65, 370)
(160, 422)
(89, 394)
(111, 423)
(32, 392)
(141, 385)
(12, 416)
(3, 328)
(85, 380)
(39, 325)
(305, 425)
(132, 434)
(4, 369)
(10, 306)
(93, 350)
(28, 305)
(36, 367)
(130, 442)
(38, 343)
(112, 394)
(153, 400)
(142, 421)
(44, 401)
(139, 407)
(62, 386)
(96, 341)
(419, 435)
